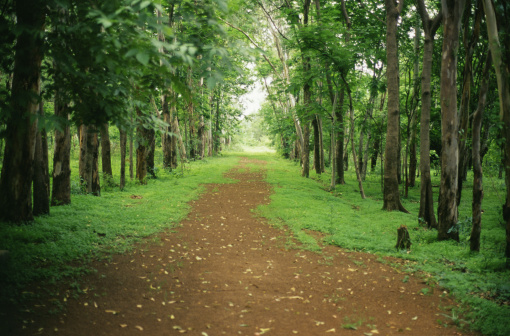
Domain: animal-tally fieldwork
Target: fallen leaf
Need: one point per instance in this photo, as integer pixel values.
(414, 318)
(331, 330)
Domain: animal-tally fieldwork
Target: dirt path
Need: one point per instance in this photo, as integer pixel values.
(224, 272)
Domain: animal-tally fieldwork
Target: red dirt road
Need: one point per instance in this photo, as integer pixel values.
(225, 272)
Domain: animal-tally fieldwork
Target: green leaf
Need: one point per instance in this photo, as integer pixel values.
(144, 4)
(142, 58)
(105, 22)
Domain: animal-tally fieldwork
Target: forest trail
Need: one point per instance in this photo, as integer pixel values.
(225, 272)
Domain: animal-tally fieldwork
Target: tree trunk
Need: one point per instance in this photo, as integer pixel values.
(391, 193)
(17, 168)
(131, 163)
(91, 163)
(476, 229)
(41, 174)
(503, 79)
(316, 145)
(141, 150)
(426, 212)
(447, 208)
(82, 161)
(106, 157)
(354, 159)
(61, 191)
(123, 144)
(466, 94)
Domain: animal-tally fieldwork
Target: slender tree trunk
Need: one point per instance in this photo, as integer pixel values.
(182, 148)
(151, 149)
(354, 159)
(106, 157)
(123, 145)
(17, 168)
(131, 163)
(82, 161)
(91, 162)
(316, 146)
(391, 193)
(426, 212)
(41, 176)
(476, 229)
(503, 79)
(339, 115)
(141, 151)
(466, 94)
(166, 137)
(61, 191)
(447, 208)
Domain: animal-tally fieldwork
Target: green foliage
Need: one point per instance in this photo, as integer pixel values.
(478, 280)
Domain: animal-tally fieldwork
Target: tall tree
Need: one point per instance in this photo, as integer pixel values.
(41, 175)
(501, 61)
(447, 208)
(106, 157)
(61, 188)
(470, 44)
(17, 168)
(430, 26)
(476, 228)
(391, 193)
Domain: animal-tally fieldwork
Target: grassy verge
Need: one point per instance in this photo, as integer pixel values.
(477, 280)
(60, 245)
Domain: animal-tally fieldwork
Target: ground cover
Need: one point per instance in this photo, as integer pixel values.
(477, 280)
(120, 232)
(60, 245)
(223, 271)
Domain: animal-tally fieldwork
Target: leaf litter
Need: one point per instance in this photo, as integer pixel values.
(239, 281)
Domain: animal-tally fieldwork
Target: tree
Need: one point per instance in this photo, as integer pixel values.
(476, 228)
(391, 192)
(17, 168)
(430, 26)
(41, 177)
(501, 61)
(447, 208)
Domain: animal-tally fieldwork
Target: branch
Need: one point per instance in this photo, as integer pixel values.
(271, 19)
(252, 41)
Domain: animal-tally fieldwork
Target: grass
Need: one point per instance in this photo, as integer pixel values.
(477, 280)
(58, 246)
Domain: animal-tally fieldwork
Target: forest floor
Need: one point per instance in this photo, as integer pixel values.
(223, 271)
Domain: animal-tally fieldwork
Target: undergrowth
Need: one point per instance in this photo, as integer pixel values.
(477, 280)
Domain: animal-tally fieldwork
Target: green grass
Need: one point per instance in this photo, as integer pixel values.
(477, 280)
(60, 245)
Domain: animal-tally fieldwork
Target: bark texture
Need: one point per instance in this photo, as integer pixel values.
(41, 176)
(123, 144)
(106, 157)
(17, 168)
(391, 193)
(476, 206)
(61, 189)
(430, 26)
(447, 208)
